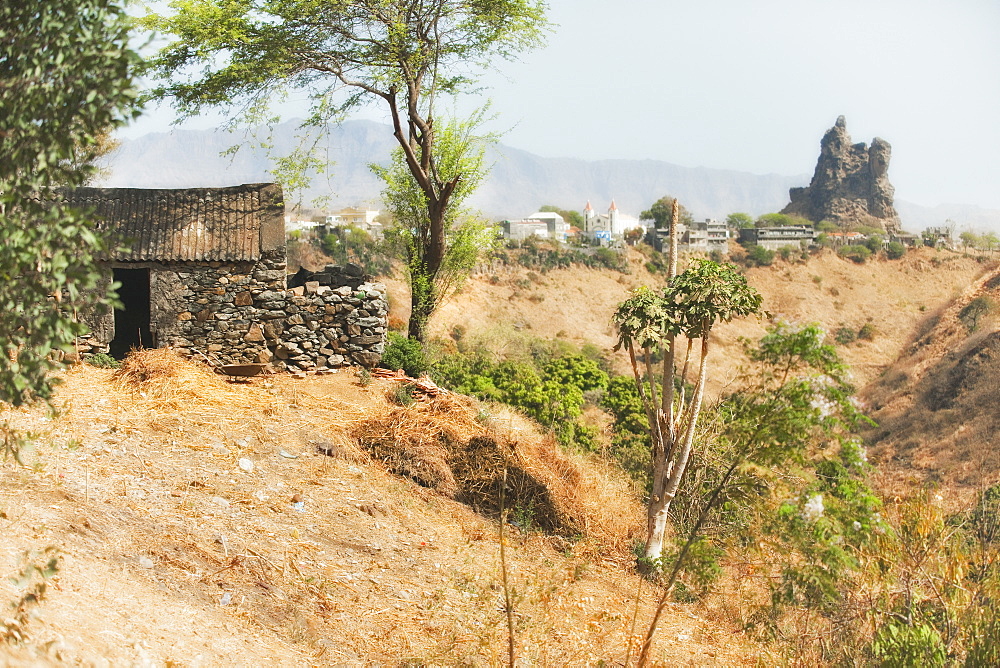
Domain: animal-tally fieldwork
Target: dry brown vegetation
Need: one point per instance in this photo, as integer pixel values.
(317, 522)
(895, 296)
(936, 405)
(206, 523)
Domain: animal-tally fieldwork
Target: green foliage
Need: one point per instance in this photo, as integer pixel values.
(403, 394)
(543, 257)
(867, 332)
(786, 252)
(895, 250)
(970, 239)
(874, 243)
(439, 250)
(901, 645)
(826, 226)
(630, 440)
(740, 220)
(758, 256)
(547, 386)
(855, 253)
(66, 82)
(782, 220)
(779, 469)
(648, 324)
(973, 312)
(660, 212)
(103, 361)
(406, 354)
(845, 336)
(243, 57)
(708, 293)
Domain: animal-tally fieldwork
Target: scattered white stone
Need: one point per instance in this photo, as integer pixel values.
(145, 562)
(246, 464)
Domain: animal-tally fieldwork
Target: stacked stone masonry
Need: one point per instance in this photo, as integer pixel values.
(236, 313)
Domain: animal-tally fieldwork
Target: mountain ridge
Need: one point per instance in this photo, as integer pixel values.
(519, 183)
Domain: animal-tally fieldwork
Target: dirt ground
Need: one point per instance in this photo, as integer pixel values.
(209, 524)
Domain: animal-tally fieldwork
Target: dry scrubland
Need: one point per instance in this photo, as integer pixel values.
(176, 551)
(576, 304)
(173, 494)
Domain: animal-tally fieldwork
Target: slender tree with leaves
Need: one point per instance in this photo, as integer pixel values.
(401, 54)
(649, 325)
(460, 155)
(66, 80)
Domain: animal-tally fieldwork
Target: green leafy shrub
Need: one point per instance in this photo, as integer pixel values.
(547, 385)
(350, 243)
(867, 332)
(900, 645)
(542, 257)
(406, 354)
(855, 253)
(103, 361)
(895, 250)
(975, 311)
(874, 243)
(758, 256)
(403, 394)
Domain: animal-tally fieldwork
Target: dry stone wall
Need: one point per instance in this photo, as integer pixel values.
(243, 312)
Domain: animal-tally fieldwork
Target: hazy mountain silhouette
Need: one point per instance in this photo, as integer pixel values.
(519, 183)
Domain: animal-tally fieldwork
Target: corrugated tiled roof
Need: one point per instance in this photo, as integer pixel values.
(208, 224)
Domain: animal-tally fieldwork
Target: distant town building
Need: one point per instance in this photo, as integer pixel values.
(293, 225)
(940, 237)
(607, 227)
(541, 224)
(846, 238)
(362, 218)
(703, 236)
(775, 238)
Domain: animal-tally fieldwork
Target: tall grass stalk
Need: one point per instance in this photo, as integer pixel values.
(507, 602)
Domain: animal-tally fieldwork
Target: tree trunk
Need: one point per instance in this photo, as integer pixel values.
(656, 524)
(423, 277)
(420, 315)
(665, 438)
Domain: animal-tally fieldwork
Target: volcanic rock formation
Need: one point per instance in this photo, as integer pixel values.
(850, 185)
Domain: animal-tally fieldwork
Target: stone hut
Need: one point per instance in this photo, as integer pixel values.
(203, 270)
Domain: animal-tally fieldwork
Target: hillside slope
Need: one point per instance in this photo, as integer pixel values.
(203, 524)
(936, 406)
(576, 304)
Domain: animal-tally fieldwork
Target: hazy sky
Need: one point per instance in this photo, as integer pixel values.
(752, 86)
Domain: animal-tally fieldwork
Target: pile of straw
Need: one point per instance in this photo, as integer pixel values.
(440, 444)
(160, 380)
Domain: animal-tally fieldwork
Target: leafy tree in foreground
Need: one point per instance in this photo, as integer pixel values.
(65, 81)
(648, 323)
(241, 56)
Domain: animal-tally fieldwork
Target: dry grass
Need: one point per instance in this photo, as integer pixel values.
(141, 482)
(446, 443)
(936, 406)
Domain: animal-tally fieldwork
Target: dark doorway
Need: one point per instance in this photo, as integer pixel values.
(132, 320)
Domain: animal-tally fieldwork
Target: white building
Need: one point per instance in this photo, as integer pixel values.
(362, 218)
(607, 227)
(541, 224)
